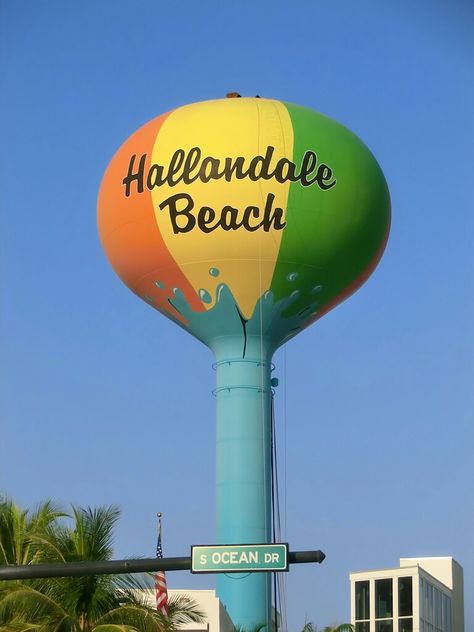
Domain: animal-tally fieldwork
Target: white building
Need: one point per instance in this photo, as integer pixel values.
(425, 594)
(216, 618)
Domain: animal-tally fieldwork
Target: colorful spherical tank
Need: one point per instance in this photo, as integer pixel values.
(243, 220)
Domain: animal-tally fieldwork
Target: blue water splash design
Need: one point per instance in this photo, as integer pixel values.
(205, 296)
(269, 322)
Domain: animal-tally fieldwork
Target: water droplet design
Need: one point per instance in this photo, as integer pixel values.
(316, 289)
(214, 272)
(205, 296)
(295, 293)
(305, 310)
(161, 285)
(148, 298)
(292, 276)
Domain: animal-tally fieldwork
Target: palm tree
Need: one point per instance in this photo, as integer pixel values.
(343, 627)
(100, 603)
(26, 538)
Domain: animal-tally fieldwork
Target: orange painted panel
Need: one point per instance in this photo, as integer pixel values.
(128, 229)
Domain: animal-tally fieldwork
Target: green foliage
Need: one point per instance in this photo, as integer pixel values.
(27, 538)
(343, 627)
(99, 603)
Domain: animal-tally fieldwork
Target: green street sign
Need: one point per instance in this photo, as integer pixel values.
(239, 558)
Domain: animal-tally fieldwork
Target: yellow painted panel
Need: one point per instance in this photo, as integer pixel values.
(226, 128)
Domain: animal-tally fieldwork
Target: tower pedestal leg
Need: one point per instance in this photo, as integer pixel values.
(243, 395)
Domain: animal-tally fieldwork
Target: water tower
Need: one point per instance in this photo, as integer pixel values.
(243, 221)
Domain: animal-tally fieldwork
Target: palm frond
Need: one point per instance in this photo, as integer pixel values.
(93, 532)
(28, 603)
(183, 610)
(113, 627)
(134, 583)
(24, 607)
(140, 618)
(19, 529)
(19, 627)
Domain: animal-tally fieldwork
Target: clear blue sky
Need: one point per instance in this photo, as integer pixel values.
(105, 401)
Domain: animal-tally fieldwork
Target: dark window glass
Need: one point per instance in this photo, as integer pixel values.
(439, 614)
(426, 609)
(405, 597)
(384, 626)
(383, 598)
(362, 600)
(405, 625)
(363, 626)
(430, 603)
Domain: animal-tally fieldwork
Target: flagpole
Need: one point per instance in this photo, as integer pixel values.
(161, 590)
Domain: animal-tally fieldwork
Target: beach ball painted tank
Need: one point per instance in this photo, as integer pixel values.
(243, 214)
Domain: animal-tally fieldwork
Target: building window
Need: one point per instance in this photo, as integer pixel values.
(405, 597)
(384, 626)
(435, 609)
(405, 625)
(362, 626)
(383, 599)
(362, 600)
(449, 615)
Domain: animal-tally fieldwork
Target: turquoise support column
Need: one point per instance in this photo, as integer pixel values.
(243, 503)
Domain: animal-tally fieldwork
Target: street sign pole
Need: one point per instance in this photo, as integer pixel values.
(118, 567)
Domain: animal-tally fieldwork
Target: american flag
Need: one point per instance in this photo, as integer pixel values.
(161, 592)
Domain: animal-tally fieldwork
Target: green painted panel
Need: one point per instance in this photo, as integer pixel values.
(333, 237)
